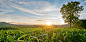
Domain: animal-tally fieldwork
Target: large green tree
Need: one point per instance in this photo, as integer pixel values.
(70, 12)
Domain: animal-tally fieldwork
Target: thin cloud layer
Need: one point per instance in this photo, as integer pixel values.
(84, 2)
(40, 20)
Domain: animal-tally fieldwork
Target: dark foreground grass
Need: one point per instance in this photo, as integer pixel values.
(43, 35)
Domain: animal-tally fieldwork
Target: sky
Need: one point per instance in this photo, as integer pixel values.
(35, 12)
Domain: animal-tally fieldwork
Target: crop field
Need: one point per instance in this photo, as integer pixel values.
(43, 35)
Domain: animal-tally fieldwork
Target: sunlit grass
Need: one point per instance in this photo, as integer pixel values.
(43, 35)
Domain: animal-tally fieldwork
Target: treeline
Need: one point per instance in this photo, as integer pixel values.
(80, 24)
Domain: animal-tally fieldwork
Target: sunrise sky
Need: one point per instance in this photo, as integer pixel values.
(34, 12)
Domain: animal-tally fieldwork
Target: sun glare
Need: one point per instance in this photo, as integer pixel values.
(48, 23)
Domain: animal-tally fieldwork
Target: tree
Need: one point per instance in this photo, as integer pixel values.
(70, 12)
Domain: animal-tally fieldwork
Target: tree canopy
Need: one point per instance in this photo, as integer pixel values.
(70, 12)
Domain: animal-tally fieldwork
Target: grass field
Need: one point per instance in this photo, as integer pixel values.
(43, 35)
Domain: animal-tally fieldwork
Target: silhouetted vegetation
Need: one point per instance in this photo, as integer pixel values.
(80, 24)
(84, 23)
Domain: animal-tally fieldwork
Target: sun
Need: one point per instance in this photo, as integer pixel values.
(48, 23)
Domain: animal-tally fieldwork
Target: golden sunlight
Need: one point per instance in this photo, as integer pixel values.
(48, 23)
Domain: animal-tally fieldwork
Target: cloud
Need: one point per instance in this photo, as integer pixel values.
(31, 11)
(14, 18)
(83, 2)
(26, 23)
(6, 10)
(43, 11)
(5, 4)
(40, 20)
(20, 23)
(3, 13)
(82, 13)
(42, 5)
(47, 9)
(23, 9)
(37, 3)
(36, 11)
(85, 6)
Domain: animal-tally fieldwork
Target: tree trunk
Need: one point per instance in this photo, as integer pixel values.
(70, 24)
(70, 19)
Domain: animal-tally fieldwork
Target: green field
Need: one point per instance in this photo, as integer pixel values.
(43, 35)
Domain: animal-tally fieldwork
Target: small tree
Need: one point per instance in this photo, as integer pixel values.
(70, 12)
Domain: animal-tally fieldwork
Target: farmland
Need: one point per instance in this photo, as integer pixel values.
(43, 35)
(42, 20)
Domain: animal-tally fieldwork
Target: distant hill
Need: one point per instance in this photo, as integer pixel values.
(4, 24)
(65, 25)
